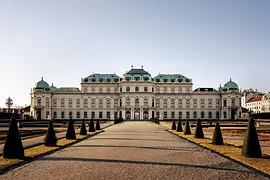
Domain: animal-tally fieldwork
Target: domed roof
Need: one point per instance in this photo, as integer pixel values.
(231, 86)
(53, 88)
(42, 85)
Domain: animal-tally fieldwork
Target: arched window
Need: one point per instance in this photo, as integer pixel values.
(194, 114)
(210, 115)
(54, 115)
(78, 115)
(62, 114)
(70, 115)
(202, 114)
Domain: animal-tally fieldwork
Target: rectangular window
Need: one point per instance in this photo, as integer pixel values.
(145, 102)
(85, 103)
(100, 90)
(108, 103)
(172, 90)
(172, 103)
(54, 102)
(62, 102)
(158, 103)
(165, 115)
(165, 103)
(202, 103)
(78, 103)
(115, 115)
(187, 115)
(115, 103)
(187, 103)
(180, 103)
(70, 103)
(47, 102)
(157, 89)
(93, 115)
(93, 103)
(85, 89)
(165, 90)
(180, 115)
(108, 115)
(172, 115)
(210, 103)
(233, 102)
(108, 90)
(180, 89)
(100, 103)
(217, 103)
(116, 89)
(100, 115)
(195, 103)
(85, 115)
(225, 102)
(188, 90)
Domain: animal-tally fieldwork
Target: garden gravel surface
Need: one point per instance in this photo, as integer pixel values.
(133, 150)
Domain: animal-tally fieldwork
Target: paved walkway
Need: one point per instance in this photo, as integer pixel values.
(233, 140)
(40, 139)
(133, 150)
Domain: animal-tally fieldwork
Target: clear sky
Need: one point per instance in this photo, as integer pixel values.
(209, 41)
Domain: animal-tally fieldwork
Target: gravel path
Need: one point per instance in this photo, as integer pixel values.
(133, 150)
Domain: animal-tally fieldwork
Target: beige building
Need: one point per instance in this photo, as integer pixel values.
(135, 95)
(254, 105)
(265, 103)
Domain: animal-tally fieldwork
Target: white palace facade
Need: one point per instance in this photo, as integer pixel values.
(136, 95)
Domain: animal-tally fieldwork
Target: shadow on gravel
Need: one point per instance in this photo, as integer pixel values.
(141, 163)
(192, 149)
(164, 140)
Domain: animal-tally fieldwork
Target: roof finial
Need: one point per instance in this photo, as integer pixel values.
(230, 79)
(41, 78)
(142, 66)
(131, 66)
(52, 84)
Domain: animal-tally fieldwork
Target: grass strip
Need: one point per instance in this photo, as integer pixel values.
(40, 150)
(230, 151)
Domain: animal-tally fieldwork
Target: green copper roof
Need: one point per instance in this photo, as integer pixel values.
(171, 78)
(101, 78)
(137, 72)
(53, 88)
(42, 84)
(67, 89)
(105, 76)
(230, 85)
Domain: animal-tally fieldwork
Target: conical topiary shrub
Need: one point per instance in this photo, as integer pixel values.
(198, 131)
(217, 135)
(13, 147)
(50, 138)
(187, 128)
(97, 125)
(83, 130)
(251, 147)
(173, 125)
(115, 121)
(158, 121)
(91, 126)
(70, 131)
(179, 126)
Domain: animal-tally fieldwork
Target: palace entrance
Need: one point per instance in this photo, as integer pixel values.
(137, 115)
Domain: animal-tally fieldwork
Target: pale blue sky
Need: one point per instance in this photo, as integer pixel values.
(209, 41)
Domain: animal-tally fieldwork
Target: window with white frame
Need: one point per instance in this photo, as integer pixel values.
(38, 101)
(54, 102)
(70, 102)
(85, 102)
(85, 114)
(172, 90)
(195, 103)
(93, 103)
(78, 115)
(210, 103)
(164, 89)
(78, 103)
(187, 103)
(157, 89)
(202, 103)
(128, 102)
(165, 103)
(93, 89)
(100, 102)
(217, 103)
(108, 89)
(62, 102)
(145, 102)
(157, 102)
(180, 103)
(233, 101)
(172, 115)
(172, 103)
(47, 102)
(115, 102)
(100, 90)
(194, 114)
(62, 115)
(180, 115)
(108, 103)
(165, 115)
(187, 115)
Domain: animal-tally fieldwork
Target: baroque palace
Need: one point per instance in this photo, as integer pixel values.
(136, 95)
